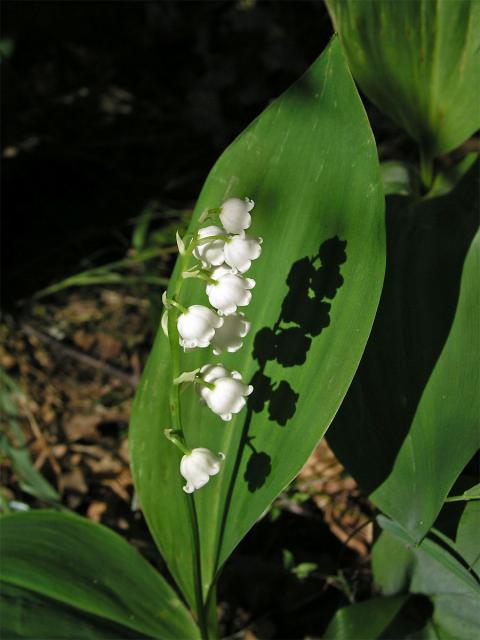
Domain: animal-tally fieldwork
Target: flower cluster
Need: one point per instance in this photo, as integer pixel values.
(224, 254)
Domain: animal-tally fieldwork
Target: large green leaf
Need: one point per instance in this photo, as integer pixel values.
(63, 576)
(409, 424)
(309, 162)
(364, 620)
(435, 572)
(419, 62)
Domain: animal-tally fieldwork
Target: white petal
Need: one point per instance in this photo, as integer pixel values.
(235, 214)
(241, 250)
(210, 253)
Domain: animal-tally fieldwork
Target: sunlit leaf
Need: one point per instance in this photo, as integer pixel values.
(309, 163)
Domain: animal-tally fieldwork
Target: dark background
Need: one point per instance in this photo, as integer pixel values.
(108, 105)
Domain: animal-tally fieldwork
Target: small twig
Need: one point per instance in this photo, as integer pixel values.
(85, 359)
(38, 435)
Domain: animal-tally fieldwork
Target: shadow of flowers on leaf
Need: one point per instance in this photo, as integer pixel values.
(305, 312)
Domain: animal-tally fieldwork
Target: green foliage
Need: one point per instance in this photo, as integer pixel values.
(467, 534)
(14, 446)
(417, 61)
(64, 577)
(433, 571)
(364, 620)
(414, 404)
(319, 210)
(399, 178)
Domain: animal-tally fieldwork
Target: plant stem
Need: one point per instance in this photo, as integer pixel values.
(462, 498)
(177, 425)
(426, 168)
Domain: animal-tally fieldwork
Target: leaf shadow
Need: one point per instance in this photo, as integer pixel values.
(427, 243)
(313, 282)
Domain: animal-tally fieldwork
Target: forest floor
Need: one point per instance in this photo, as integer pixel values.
(73, 360)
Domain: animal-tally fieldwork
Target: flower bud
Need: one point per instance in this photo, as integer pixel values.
(229, 336)
(197, 467)
(197, 325)
(241, 250)
(229, 291)
(235, 214)
(210, 253)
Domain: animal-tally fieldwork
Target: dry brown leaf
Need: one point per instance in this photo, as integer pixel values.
(96, 510)
(107, 346)
(79, 311)
(74, 480)
(83, 340)
(81, 426)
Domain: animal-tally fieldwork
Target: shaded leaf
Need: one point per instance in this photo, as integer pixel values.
(63, 569)
(417, 61)
(399, 178)
(467, 534)
(409, 423)
(364, 619)
(434, 572)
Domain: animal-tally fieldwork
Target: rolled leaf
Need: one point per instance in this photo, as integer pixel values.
(419, 61)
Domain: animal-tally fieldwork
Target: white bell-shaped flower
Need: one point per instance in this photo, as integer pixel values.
(235, 214)
(228, 393)
(212, 372)
(229, 337)
(197, 325)
(241, 250)
(197, 467)
(211, 253)
(229, 291)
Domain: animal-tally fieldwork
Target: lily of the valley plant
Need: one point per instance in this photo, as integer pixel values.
(224, 254)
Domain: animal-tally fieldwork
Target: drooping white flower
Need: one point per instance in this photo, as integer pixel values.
(197, 467)
(197, 326)
(241, 250)
(211, 253)
(228, 393)
(212, 372)
(235, 214)
(229, 336)
(229, 290)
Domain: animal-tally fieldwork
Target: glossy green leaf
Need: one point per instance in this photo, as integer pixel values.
(417, 61)
(63, 576)
(409, 424)
(364, 619)
(310, 164)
